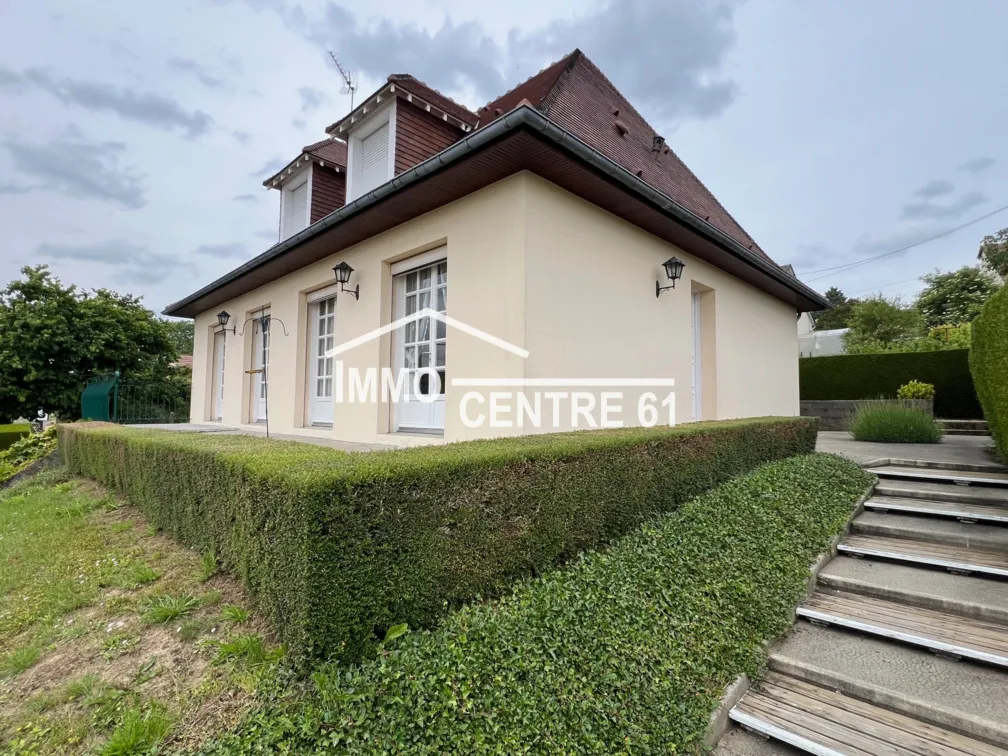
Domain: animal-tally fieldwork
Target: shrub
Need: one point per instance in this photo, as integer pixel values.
(869, 376)
(338, 547)
(627, 651)
(25, 451)
(11, 433)
(989, 363)
(893, 422)
(916, 390)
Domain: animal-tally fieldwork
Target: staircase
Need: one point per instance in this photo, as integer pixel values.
(903, 647)
(964, 427)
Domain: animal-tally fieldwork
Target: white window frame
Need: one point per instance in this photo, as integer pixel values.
(312, 402)
(260, 386)
(289, 185)
(360, 132)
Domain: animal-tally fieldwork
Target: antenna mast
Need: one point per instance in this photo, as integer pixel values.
(349, 80)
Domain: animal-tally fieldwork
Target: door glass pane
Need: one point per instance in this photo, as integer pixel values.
(423, 355)
(425, 278)
(440, 355)
(424, 334)
(410, 357)
(440, 329)
(411, 332)
(442, 299)
(442, 272)
(424, 299)
(411, 281)
(411, 304)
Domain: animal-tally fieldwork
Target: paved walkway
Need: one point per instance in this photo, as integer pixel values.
(955, 449)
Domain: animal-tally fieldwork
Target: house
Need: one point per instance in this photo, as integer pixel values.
(584, 260)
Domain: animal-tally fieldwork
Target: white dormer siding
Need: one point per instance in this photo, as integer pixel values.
(295, 203)
(371, 151)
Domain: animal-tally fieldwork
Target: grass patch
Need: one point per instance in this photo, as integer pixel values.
(208, 566)
(893, 422)
(164, 609)
(627, 650)
(235, 614)
(138, 732)
(18, 660)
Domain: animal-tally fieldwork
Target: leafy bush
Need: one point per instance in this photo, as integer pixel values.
(25, 451)
(338, 547)
(989, 363)
(869, 376)
(627, 651)
(893, 422)
(11, 433)
(916, 390)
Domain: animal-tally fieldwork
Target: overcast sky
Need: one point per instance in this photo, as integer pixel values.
(134, 140)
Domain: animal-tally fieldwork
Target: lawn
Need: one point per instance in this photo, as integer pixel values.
(114, 639)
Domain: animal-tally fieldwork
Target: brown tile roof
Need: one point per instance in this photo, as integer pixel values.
(332, 151)
(184, 360)
(576, 95)
(418, 88)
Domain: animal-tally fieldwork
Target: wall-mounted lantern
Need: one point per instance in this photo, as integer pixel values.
(673, 270)
(343, 272)
(222, 320)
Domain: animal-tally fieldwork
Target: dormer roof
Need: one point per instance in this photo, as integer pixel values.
(327, 152)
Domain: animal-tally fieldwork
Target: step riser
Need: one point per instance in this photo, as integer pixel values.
(962, 494)
(893, 528)
(915, 560)
(772, 731)
(925, 712)
(938, 476)
(902, 637)
(964, 432)
(962, 608)
(956, 466)
(949, 513)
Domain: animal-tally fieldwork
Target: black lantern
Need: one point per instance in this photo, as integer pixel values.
(343, 272)
(222, 320)
(673, 270)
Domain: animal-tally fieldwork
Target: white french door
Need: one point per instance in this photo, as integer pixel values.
(220, 352)
(696, 352)
(260, 362)
(320, 384)
(420, 347)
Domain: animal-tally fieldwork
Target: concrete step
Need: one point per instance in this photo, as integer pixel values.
(931, 589)
(966, 698)
(934, 475)
(985, 562)
(964, 512)
(941, 492)
(965, 432)
(979, 640)
(932, 530)
(949, 424)
(740, 742)
(821, 721)
(931, 464)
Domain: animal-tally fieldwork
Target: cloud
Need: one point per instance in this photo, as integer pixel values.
(246, 198)
(17, 188)
(188, 65)
(950, 211)
(977, 165)
(133, 262)
(312, 98)
(933, 189)
(222, 251)
(242, 137)
(297, 123)
(271, 167)
(84, 170)
(678, 47)
(143, 107)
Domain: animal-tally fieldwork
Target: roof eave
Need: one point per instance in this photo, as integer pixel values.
(523, 116)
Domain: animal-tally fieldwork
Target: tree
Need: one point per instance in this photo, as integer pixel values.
(181, 333)
(994, 252)
(879, 324)
(955, 298)
(53, 338)
(839, 316)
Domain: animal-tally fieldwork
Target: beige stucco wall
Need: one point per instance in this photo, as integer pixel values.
(533, 265)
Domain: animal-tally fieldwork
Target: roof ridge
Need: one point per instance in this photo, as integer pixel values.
(394, 77)
(576, 52)
(682, 162)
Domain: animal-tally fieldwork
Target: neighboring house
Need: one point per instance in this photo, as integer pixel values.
(822, 343)
(184, 361)
(548, 214)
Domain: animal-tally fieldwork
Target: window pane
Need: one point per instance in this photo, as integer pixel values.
(411, 304)
(441, 375)
(424, 299)
(442, 273)
(328, 387)
(440, 355)
(328, 366)
(442, 299)
(318, 387)
(410, 332)
(425, 278)
(411, 281)
(424, 329)
(441, 328)
(423, 355)
(409, 357)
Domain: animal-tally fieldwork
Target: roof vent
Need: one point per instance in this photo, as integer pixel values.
(640, 173)
(498, 111)
(615, 111)
(621, 128)
(657, 142)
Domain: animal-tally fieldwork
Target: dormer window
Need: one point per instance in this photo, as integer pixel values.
(295, 203)
(371, 151)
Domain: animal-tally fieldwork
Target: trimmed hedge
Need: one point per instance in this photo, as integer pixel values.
(11, 433)
(989, 364)
(627, 651)
(874, 376)
(337, 546)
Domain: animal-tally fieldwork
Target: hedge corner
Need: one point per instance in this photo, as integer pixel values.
(989, 366)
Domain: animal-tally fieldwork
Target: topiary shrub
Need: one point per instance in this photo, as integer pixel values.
(989, 364)
(916, 390)
(339, 547)
(893, 422)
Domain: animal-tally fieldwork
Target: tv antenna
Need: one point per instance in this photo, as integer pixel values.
(349, 79)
